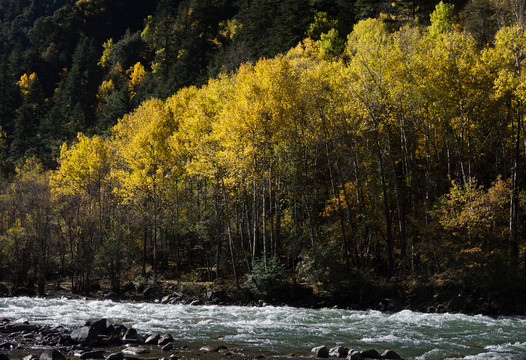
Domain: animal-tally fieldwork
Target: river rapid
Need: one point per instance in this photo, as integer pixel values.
(286, 330)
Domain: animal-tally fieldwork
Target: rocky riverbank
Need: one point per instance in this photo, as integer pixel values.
(99, 340)
(391, 297)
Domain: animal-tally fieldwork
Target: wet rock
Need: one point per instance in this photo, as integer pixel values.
(355, 355)
(320, 352)
(104, 340)
(135, 350)
(390, 354)
(165, 339)
(168, 347)
(86, 335)
(339, 352)
(52, 355)
(115, 356)
(11, 328)
(116, 330)
(152, 339)
(98, 324)
(370, 354)
(130, 334)
(209, 348)
(112, 296)
(96, 354)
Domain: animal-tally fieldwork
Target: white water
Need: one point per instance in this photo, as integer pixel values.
(282, 329)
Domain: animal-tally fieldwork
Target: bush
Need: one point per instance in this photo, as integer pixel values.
(269, 279)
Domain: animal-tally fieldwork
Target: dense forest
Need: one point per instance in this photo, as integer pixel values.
(313, 143)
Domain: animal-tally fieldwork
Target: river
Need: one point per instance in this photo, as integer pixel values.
(294, 330)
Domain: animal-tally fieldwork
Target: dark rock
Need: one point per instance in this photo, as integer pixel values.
(4, 291)
(152, 339)
(150, 292)
(11, 328)
(104, 340)
(339, 352)
(112, 296)
(96, 354)
(209, 348)
(24, 292)
(115, 331)
(4, 356)
(165, 339)
(52, 355)
(355, 355)
(390, 354)
(370, 353)
(320, 352)
(115, 356)
(86, 335)
(98, 324)
(135, 350)
(7, 345)
(173, 357)
(130, 334)
(168, 347)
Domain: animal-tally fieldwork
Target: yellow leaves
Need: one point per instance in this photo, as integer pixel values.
(106, 54)
(507, 60)
(25, 82)
(137, 74)
(141, 140)
(84, 168)
(105, 89)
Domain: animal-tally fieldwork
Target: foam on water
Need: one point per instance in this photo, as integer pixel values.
(413, 335)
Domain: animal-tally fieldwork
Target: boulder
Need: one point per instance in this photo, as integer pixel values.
(4, 291)
(115, 356)
(11, 328)
(355, 355)
(168, 347)
(390, 354)
(320, 352)
(135, 350)
(130, 334)
(86, 335)
(165, 339)
(370, 354)
(98, 324)
(24, 292)
(116, 330)
(152, 339)
(209, 348)
(96, 354)
(339, 352)
(30, 357)
(52, 355)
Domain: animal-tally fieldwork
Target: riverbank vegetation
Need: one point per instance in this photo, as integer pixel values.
(385, 150)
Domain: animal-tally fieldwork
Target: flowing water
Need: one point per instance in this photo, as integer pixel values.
(294, 330)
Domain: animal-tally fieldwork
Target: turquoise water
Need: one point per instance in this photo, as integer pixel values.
(295, 330)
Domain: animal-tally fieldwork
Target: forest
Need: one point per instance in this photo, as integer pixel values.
(263, 143)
